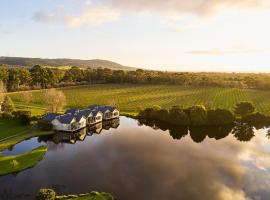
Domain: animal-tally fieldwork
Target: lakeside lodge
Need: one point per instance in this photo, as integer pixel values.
(75, 119)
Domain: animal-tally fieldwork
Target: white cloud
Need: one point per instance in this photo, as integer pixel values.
(92, 16)
(110, 10)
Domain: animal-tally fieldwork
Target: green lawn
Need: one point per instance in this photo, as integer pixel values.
(10, 127)
(11, 164)
(130, 98)
(21, 137)
(91, 196)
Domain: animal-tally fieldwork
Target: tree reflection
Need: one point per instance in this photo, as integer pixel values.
(178, 132)
(243, 132)
(198, 134)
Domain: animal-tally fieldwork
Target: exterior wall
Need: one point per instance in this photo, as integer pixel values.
(107, 115)
(115, 113)
(82, 123)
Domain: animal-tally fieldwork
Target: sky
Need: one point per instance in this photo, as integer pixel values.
(171, 35)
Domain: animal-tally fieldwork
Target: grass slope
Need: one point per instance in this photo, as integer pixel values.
(10, 127)
(14, 140)
(91, 196)
(11, 164)
(129, 98)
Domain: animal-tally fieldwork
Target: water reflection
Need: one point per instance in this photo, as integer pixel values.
(242, 131)
(72, 138)
(140, 162)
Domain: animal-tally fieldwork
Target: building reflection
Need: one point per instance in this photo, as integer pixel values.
(242, 131)
(72, 138)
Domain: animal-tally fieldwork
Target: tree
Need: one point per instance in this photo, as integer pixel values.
(220, 117)
(243, 109)
(198, 115)
(178, 116)
(2, 92)
(55, 100)
(3, 74)
(8, 106)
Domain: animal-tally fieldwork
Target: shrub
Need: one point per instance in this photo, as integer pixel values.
(24, 116)
(45, 126)
(46, 194)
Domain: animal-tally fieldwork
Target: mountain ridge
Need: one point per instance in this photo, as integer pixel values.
(58, 62)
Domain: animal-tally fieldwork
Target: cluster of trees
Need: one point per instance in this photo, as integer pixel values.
(55, 101)
(198, 115)
(45, 77)
(243, 132)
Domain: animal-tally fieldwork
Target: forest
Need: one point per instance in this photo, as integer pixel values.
(38, 77)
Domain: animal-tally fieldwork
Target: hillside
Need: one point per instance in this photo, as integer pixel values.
(29, 62)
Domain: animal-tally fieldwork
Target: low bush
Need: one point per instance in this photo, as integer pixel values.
(46, 194)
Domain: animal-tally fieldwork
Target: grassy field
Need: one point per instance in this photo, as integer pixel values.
(11, 164)
(11, 127)
(130, 98)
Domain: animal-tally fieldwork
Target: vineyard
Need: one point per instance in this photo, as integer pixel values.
(131, 98)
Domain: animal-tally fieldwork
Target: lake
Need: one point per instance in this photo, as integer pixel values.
(134, 161)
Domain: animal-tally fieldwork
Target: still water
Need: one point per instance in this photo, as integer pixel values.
(134, 161)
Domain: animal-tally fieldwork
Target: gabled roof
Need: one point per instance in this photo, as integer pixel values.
(95, 112)
(85, 112)
(102, 108)
(78, 116)
(72, 111)
(50, 117)
(65, 119)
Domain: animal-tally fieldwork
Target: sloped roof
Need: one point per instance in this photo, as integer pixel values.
(72, 111)
(50, 117)
(66, 118)
(102, 108)
(78, 116)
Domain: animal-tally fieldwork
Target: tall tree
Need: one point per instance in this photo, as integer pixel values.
(244, 108)
(55, 100)
(2, 92)
(7, 106)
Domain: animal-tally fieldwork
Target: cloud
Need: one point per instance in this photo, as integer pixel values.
(224, 51)
(95, 13)
(92, 16)
(89, 15)
(197, 7)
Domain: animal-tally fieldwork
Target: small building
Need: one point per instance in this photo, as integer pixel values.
(69, 123)
(92, 116)
(108, 112)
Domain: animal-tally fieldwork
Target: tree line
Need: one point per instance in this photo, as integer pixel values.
(198, 115)
(39, 77)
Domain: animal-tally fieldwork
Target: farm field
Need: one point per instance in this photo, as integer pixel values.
(130, 98)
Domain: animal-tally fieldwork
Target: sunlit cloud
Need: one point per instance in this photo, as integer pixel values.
(92, 16)
(172, 10)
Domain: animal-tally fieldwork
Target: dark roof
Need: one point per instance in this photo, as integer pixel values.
(79, 115)
(72, 111)
(85, 112)
(50, 117)
(66, 118)
(102, 108)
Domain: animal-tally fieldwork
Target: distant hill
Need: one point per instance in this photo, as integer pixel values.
(29, 62)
